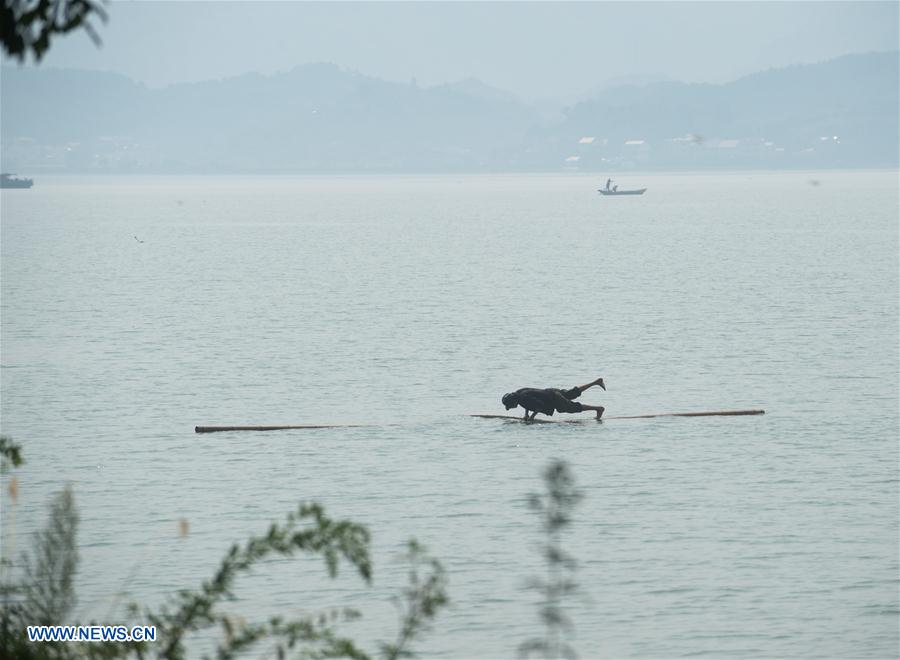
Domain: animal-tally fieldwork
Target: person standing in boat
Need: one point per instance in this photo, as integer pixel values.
(608, 183)
(551, 400)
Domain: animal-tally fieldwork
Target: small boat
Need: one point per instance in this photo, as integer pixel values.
(638, 191)
(8, 181)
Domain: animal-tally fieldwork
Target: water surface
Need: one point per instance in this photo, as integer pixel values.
(135, 309)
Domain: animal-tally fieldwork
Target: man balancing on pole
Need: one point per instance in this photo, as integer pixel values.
(551, 400)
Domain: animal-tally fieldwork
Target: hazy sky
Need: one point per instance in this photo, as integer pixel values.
(537, 49)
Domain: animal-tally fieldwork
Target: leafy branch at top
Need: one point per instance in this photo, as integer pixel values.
(27, 25)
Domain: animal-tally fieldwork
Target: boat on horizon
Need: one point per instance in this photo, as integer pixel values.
(637, 191)
(9, 181)
(611, 189)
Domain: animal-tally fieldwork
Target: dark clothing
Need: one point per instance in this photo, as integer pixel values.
(549, 400)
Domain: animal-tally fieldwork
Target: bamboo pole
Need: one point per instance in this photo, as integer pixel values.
(708, 413)
(579, 420)
(214, 429)
(537, 421)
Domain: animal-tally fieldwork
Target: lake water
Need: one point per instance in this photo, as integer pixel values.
(405, 303)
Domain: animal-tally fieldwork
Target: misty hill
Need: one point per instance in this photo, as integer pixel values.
(320, 118)
(313, 118)
(779, 115)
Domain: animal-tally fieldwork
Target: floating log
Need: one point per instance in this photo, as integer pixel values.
(581, 420)
(214, 429)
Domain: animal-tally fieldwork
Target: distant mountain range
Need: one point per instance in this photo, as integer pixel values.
(320, 118)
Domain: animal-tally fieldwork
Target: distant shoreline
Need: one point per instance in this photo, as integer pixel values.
(376, 175)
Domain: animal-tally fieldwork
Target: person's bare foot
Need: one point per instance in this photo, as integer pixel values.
(600, 412)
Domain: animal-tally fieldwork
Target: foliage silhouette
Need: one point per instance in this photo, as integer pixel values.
(27, 25)
(421, 601)
(10, 453)
(555, 509)
(45, 595)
